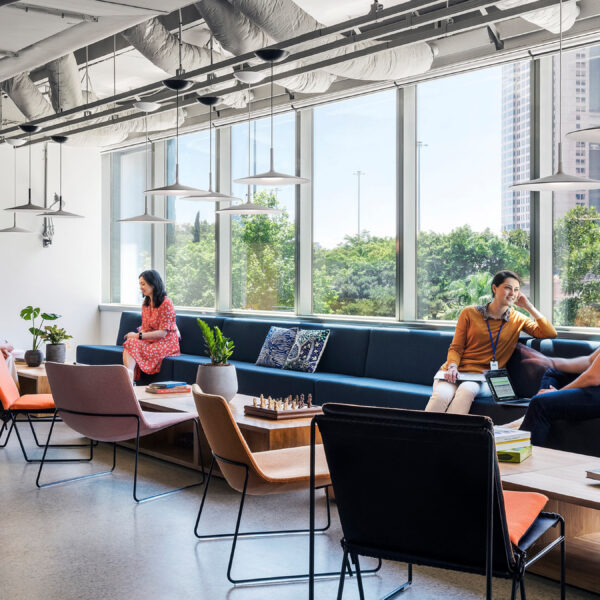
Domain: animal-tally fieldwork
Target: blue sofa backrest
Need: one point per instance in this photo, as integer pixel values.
(248, 336)
(564, 348)
(346, 349)
(130, 321)
(409, 355)
(192, 341)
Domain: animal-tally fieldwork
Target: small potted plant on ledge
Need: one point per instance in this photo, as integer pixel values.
(217, 377)
(34, 357)
(56, 349)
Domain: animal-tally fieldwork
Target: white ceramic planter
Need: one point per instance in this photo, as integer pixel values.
(220, 380)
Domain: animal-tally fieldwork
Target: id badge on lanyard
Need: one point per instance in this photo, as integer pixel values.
(494, 362)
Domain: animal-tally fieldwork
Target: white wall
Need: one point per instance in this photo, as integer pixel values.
(65, 277)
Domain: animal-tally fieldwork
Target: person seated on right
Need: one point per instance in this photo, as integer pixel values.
(569, 390)
(485, 338)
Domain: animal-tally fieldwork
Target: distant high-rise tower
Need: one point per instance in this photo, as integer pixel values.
(515, 144)
(580, 109)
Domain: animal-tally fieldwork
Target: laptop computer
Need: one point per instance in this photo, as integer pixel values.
(502, 389)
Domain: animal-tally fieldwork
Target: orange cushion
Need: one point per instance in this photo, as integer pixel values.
(33, 402)
(522, 509)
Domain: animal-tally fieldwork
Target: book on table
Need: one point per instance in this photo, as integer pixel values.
(515, 455)
(183, 389)
(159, 385)
(593, 474)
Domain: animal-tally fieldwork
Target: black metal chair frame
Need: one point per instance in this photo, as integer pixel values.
(137, 453)
(236, 534)
(522, 563)
(14, 414)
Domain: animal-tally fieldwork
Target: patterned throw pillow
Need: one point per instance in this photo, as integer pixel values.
(307, 350)
(276, 347)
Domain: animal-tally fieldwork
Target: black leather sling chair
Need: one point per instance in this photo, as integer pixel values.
(424, 488)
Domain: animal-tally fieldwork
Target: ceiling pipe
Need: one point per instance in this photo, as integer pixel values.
(65, 85)
(156, 43)
(282, 19)
(548, 18)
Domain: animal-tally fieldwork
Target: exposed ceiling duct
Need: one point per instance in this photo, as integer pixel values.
(239, 35)
(65, 87)
(284, 19)
(154, 41)
(548, 18)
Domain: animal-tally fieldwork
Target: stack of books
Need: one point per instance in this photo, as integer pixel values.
(168, 387)
(512, 445)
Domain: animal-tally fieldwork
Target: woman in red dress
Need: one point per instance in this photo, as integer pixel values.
(158, 336)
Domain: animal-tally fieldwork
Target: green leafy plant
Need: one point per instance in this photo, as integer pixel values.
(53, 334)
(30, 313)
(219, 347)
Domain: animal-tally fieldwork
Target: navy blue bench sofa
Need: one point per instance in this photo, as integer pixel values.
(360, 365)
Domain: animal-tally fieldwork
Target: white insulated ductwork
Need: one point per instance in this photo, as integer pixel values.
(239, 35)
(156, 43)
(548, 18)
(65, 87)
(27, 96)
(283, 19)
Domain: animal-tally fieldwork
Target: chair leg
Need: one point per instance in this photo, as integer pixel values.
(343, 575)
(522, 587)
(40, 445)
(236, 535)
(167, 493)
(562, 561)
(53, 460)
(9, 431)
(361, 591)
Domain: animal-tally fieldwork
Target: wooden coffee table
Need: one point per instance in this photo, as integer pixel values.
(32, 380)
(561, 477)
(260, 434)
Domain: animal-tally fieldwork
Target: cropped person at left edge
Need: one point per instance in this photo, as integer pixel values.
(158, 337)
(485, 338)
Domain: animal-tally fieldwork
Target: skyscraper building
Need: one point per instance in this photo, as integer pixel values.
(580, 104)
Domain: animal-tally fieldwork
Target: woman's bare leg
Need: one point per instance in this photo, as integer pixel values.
(130, 363)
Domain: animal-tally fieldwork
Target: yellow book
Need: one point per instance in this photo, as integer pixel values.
(516, 455)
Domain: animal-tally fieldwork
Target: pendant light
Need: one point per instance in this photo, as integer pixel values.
(271, 177)
(15, 228)
(210, 195)
(29, 129)
(176, 84)
(248, 207)
(560, 181)
(146, 217)
(60, 213)
(591, 134)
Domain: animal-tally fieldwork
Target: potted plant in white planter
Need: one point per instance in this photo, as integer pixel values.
(34, 357)
(217, 377)
(56, 349)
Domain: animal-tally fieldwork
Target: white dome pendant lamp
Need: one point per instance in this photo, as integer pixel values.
(15, 228)
(248, 207)
(146, 217)
(60, 213)
(560, 181)
(177, 84)
(271, 177)
(30, 206)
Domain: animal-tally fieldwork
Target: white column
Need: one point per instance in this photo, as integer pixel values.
(223, 222)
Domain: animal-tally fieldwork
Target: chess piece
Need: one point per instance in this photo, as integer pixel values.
(294, 405)
(309, 401)
(262, 401)
(302, 400)
(255, 401)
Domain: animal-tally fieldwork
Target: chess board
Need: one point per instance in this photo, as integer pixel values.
(267, 413)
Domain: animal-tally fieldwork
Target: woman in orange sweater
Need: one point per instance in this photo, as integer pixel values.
(485, 338)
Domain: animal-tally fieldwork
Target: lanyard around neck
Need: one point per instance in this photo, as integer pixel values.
(494, 343)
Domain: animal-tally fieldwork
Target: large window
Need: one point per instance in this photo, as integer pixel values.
(472, 143)
(263, 247)
(576, 214)
(354, 218)
(131, 244)
(190, 241)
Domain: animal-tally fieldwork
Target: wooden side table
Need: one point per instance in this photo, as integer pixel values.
(32, 380)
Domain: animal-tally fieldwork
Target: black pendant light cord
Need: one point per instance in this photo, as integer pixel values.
(271, 113)
(210, 127)
(15, 189)
(249, 139)
(60, 200)
(560, 40)
(146, 165)
(29, 193)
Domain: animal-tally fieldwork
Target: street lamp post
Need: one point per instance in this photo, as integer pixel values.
(358, 175)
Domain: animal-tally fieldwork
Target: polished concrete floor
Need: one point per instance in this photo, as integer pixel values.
(89, 540)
